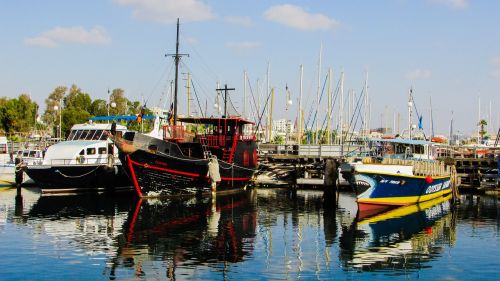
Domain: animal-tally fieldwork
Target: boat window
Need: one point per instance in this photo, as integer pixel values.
(97, 135)
(77, 135)
(90, 135)
(102, 150)
(104, 135)
(32, 153)
(84, 134)
(419, 149)
(152, 147)
(71, 135)
(3, 148)
(82, 152)
(91, 151)
(25, 153)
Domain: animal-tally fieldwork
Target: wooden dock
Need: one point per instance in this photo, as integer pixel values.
(300, 166)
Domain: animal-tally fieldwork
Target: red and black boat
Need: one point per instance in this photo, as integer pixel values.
(192, 153)
(179, 162)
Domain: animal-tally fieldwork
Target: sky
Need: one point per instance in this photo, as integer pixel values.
(447, 51)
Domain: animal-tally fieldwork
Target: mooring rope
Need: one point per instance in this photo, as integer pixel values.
(66, 176)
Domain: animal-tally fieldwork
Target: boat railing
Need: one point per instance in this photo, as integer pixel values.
(80, 160)
(173, 132)
(248, 137)
(213, 140)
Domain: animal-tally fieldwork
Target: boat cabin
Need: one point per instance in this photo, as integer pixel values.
(218, 136)
(4, 151)
(86, 144)
(402, 148)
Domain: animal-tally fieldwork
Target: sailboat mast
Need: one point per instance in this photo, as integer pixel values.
(341, 113)
(328, 110)
(410, 104)
(299, 113)
(176, 58)
(317, 95)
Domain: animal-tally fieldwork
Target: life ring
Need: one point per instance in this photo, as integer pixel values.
(80, 159)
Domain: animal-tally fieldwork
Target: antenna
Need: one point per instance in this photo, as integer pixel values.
(225, 89)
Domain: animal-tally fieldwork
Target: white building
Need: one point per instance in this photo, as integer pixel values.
(283, 127)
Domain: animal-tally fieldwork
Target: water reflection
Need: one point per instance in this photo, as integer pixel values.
(402, 238)
(260, 234)
(199, 231)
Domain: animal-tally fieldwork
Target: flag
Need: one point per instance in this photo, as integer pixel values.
(420, 123)
(170, 115)
(140, 115)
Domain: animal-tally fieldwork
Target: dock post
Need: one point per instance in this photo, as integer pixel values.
(330, 182)
(19, 169)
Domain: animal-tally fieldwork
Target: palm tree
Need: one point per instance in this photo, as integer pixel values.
(482, 132)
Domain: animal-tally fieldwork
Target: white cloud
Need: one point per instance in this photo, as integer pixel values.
(455, 4)
(296, 17)
(243, 21)
(495, 61)
(167, 11)
(243, 45)
(418, 74)
(76, 35)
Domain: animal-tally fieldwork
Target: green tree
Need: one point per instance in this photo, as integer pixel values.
(18, 115)
(77, 99)
(121, 102)
(482, 131)
(98, 108)
(51, 115)
(72, 116)
(279, 140)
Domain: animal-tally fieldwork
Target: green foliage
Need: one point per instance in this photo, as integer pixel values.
(77, 99)
(118, 98)
(98, 108)
(67, 106)
(145, 125)
(279, 140)
(17, 115)
(482, 131)
(72, 116)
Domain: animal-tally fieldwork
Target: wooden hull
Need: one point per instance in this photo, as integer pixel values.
(155, 173)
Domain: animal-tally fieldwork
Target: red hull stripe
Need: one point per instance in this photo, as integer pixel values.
(134, 219)
(193, 175)
(134, 178)
(164, 169)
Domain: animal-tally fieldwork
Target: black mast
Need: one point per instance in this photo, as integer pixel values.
(177, 58)
(225, 89)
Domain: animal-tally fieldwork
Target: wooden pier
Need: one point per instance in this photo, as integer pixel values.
(300, 166)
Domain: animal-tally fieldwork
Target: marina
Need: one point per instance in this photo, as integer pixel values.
(202, 148)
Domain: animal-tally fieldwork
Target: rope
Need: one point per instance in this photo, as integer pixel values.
(66, 176)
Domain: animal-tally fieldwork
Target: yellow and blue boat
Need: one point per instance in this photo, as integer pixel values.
(400, 172)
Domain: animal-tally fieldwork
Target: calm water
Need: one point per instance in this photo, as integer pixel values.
(259, 235)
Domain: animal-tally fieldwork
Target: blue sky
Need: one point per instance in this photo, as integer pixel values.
(447, 49)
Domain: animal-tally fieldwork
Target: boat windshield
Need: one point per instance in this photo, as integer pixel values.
(87, 135)
(403, 150)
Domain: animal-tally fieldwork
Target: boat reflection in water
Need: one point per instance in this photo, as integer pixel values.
(400, 238)
(139, 234)
(200, 231)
